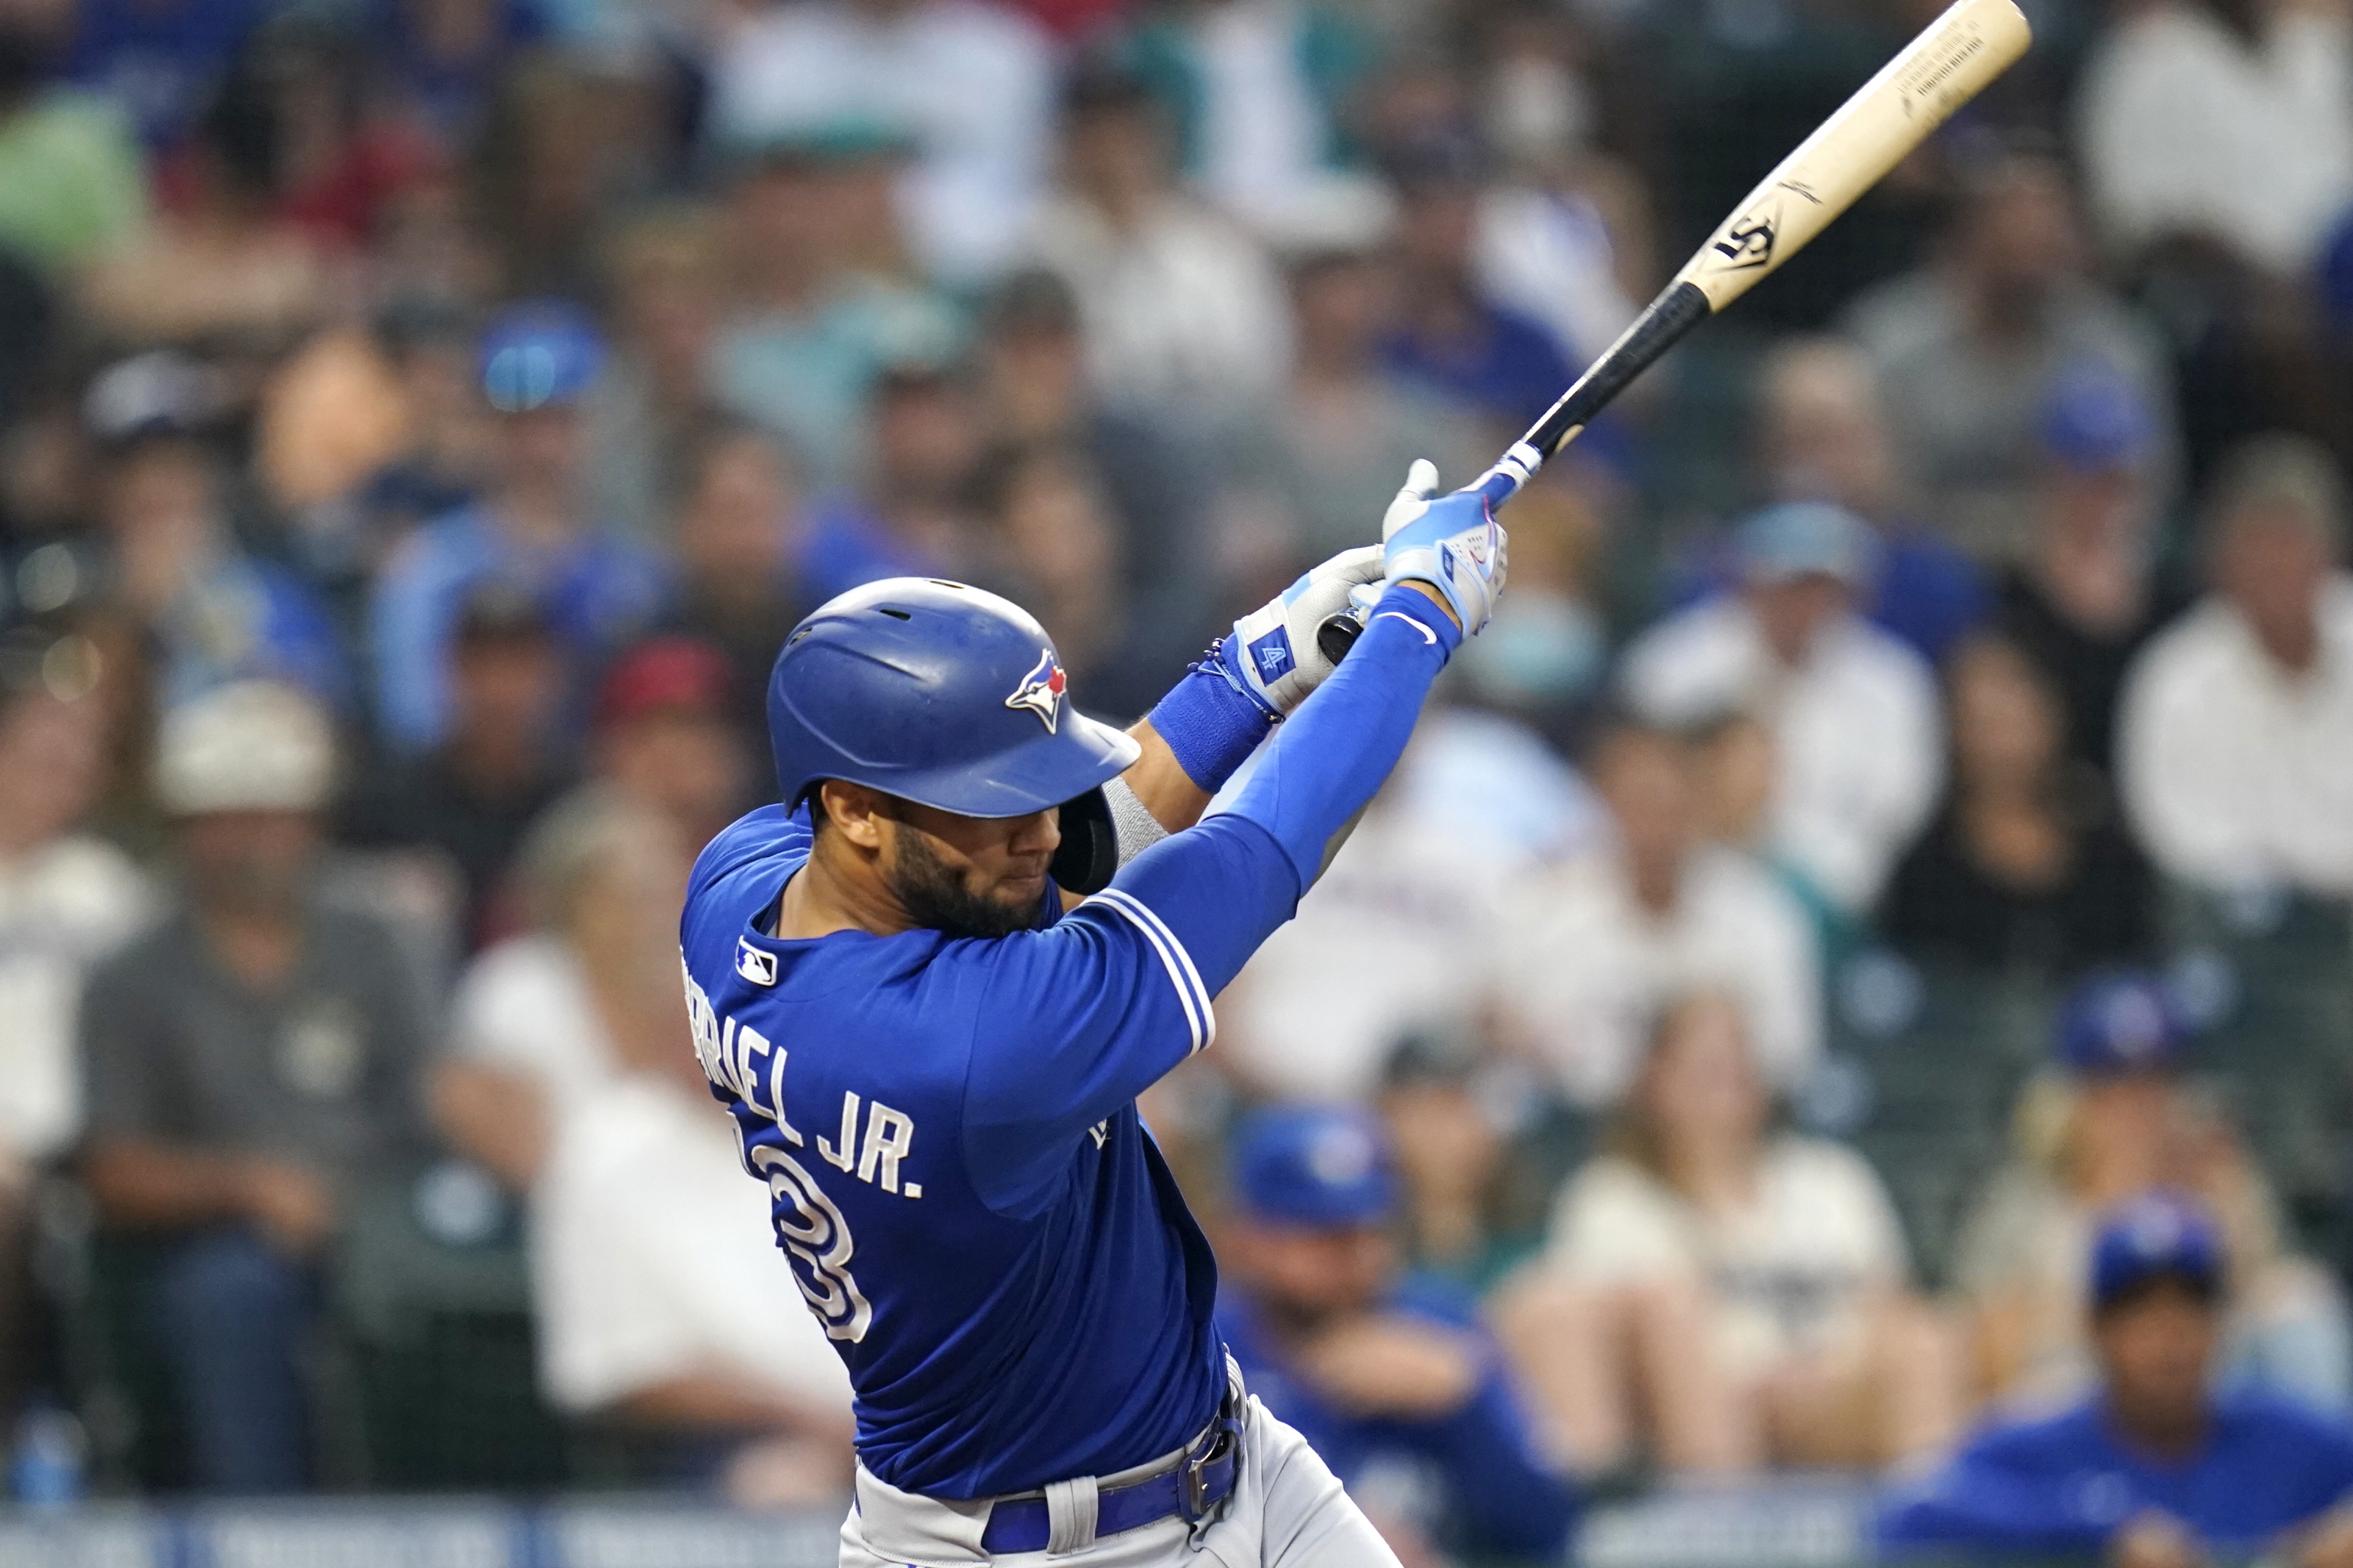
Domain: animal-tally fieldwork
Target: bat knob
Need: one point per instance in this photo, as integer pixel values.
(1337, 635)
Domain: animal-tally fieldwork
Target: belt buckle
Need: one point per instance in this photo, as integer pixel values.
(1193, 1481)
(1193, 1478)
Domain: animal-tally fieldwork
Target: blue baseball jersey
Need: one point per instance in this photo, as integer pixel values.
(947, 1127)
(2063, 1485)
(1473, 1479)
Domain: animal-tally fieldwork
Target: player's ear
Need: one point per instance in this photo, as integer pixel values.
(855, 811)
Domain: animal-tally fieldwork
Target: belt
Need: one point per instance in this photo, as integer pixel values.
(1201, 1480)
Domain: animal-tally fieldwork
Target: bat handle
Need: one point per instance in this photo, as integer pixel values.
(1499, 484)
(1337, 635)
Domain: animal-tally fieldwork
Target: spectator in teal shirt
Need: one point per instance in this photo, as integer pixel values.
(818, 318)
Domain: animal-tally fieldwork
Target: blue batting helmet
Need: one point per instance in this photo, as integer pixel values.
(938, 693)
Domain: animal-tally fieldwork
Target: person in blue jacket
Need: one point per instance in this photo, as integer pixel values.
(1389, 1377)
(2156, 1469)
(530, 534)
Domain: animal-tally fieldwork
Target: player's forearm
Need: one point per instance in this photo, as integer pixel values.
(1331, 756)
(1212, 726)
(1161, 784)
(1224, 887)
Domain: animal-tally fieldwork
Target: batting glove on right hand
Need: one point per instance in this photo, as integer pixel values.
(1452, 543)
(1272, 656)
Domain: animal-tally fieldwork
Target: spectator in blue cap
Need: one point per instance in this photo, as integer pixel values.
(2155, 1469)
(2086, 596)
(1392, 1379)
(528, 531)
(2113, 1121)
(1852, 711)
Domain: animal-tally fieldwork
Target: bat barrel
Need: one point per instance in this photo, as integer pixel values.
(1950, 62)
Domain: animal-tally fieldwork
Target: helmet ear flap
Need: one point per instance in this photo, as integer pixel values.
(1089, 855)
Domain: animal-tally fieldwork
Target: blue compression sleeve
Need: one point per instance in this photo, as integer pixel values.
(1329, 757)
(1223, 886)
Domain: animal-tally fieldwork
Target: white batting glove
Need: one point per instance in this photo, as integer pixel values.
(1271, 654)
(1451, 543)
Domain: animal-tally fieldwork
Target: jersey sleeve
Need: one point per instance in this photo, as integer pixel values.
(1081, 1017)
(1078, 1019)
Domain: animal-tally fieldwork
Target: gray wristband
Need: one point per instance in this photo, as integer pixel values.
(1136, 828)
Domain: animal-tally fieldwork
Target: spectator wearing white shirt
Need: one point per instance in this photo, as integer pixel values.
(1178, 306)
(969, 85)
(2224, 120)
(1399, 934)
(1590, 949)
(1390, 940)
(1258, 91)
(1853, 712)
(66, 900)
(2235, 741)
(663, 1304)
(1724, 1294)
(536, 1025)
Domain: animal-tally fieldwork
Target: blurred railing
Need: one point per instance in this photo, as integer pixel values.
(1802, 1523)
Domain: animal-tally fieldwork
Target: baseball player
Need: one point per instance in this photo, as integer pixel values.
(929, 1004)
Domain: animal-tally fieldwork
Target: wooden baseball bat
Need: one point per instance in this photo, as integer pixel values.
(1948, 64)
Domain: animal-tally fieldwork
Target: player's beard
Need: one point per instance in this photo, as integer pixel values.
(934, 895)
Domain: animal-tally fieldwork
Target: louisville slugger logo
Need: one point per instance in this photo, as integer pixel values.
(1747, 243)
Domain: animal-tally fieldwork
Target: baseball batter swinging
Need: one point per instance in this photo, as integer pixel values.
(928, 1005)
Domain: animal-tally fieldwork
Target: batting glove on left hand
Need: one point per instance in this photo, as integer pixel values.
(1452, 543)
(1270, 655)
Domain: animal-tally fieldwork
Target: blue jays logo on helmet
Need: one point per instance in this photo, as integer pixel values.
(1041, 689)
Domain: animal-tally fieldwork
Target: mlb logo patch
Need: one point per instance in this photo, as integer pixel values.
(753, 964)
(1271, 656)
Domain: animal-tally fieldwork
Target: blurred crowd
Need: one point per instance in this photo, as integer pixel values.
(1903, 809)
